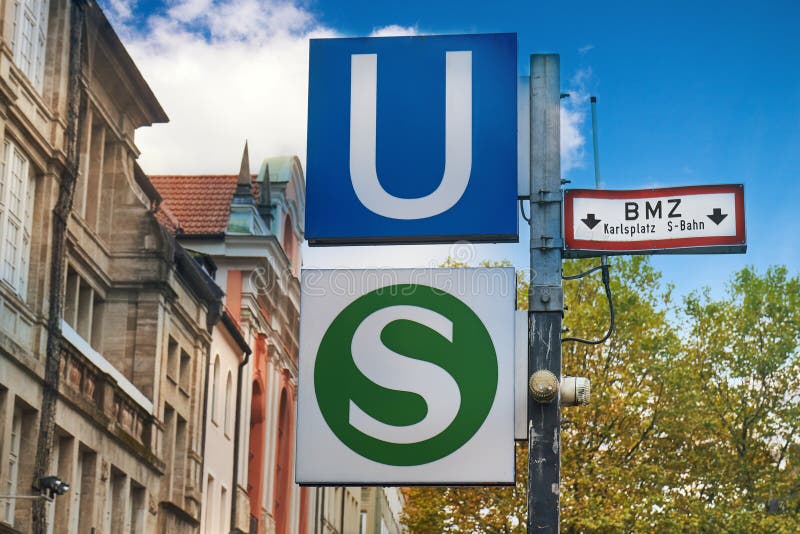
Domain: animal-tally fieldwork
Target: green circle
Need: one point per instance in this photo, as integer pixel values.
(470, 359)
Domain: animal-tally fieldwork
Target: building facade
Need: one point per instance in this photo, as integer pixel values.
(105, 320)
(148, 325)
(229, 353)
(381, 509)
(235, 220)
(251, 227)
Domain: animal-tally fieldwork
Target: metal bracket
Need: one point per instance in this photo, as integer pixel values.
(547, 298)
(545, 197)
(550, 242)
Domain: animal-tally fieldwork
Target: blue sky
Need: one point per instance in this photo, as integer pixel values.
(688, 93)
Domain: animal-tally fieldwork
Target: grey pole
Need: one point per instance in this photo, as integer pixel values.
(595, 148)
(546, 301)
(596, 151)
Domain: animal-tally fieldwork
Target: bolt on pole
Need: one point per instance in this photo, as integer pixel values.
(546, 301)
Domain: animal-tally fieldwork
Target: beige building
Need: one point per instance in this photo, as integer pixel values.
(105, 321)
(146, 361)
(335, 510)
(381, 509)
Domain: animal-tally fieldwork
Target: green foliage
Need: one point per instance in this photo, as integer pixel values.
(742, 424)
(694, 423)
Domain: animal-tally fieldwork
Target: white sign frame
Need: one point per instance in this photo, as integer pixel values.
(487, 458)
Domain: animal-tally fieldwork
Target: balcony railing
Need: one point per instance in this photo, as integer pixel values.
(104, 390)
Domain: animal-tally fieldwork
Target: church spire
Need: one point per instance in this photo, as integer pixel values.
(244, 188)
(244, 169)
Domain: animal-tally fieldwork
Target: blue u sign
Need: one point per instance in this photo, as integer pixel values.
(412, 139)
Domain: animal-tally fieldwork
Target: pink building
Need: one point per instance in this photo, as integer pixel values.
(250, 228)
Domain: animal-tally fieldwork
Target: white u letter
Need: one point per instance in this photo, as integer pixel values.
(458, 140)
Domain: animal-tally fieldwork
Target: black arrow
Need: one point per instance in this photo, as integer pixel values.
(591, 222)
(717, 216)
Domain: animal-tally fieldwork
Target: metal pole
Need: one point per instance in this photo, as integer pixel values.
(596, 150)
(546, 300)
(593, 100)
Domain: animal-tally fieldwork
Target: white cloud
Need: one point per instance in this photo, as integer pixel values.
(230, 70)
(119, 11)
(573, 118)
(224, 71)
(394, 30)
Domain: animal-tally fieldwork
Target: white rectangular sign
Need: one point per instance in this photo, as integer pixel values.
(406, 377)
(683, 219)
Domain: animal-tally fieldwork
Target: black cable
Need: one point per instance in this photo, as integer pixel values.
(607, 284)
(522, 210)
(581, 275)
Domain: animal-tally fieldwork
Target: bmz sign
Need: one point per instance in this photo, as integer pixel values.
(700, 219)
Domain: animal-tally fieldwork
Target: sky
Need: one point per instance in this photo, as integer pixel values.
(688, 93)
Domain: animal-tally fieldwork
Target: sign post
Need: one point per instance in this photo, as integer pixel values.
(404, 379)
(546, 301)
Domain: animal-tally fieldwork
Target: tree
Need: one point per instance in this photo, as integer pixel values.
(694, 418)
(611, 480)
(740, 439)
(597, 438)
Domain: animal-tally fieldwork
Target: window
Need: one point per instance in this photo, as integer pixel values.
(214, 390)
(13, 467)
(185, 371)
(120, 500)
(172, 359)
(168, 445)
(137, 508)
(181, 459)
(83, 309)
(288, 238)
(89, 485)
(16, 217)
(227, 415)
(94, 180)
(209, 513)
(75, 493)
(30, 37)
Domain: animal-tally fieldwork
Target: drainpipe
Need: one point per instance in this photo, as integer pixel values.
(76, 104)
(322, 513)
(341, 517)
(205, 427)
(316, 510)
(236, 438)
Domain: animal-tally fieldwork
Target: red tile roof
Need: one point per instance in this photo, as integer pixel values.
(200, 204)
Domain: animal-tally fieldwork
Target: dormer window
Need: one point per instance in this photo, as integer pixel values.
(30, 38)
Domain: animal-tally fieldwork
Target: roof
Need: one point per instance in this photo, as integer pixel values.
(139, 88)
(235, 330)
(280, 169)
(200, 204)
